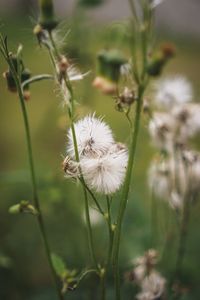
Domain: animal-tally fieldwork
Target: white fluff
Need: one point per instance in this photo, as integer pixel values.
(161, 129)
(94, 137)
(105, 174)
(188, 120)
(153, 287)
(173, 91)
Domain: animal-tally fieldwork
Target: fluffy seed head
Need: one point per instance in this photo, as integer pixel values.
(173, 91)
(93, 136)
(153, 287)
(105, 173)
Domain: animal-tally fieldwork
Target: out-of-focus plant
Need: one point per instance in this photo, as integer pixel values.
(174, 174)
(104, 166)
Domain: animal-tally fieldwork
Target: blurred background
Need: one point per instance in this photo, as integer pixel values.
(92, 25)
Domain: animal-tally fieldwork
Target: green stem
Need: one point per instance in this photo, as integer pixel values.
(71, 116)
(36, 79)
(109, 230)
(182, 238)
(125, 192)
(103, 287)
(94, 199)
(90, 236)
(33, 179)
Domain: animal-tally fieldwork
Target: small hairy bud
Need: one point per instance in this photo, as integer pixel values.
(23, 207)
(62, 67)
(125, 99)
(40, 33)
(47, 18)
(159, 59)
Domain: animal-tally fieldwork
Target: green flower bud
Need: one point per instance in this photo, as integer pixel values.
(26, 74)
(47, 18)
(23, 207)
(109, 64)
(159, 59)
(14, 209)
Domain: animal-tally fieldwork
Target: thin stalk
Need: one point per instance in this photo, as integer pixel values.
(33, 179)
(36, 79)
(110, 231)
(125, 192)
(71, 116)
(90, 237)
(182, 238)
(94, 199)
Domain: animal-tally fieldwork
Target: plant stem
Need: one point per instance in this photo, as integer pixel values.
(33, 179)
(182, 238)
(71, 116)
(90, 237)
(125, 192)
(109, 230)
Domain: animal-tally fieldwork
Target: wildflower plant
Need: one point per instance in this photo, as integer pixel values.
(99, 163)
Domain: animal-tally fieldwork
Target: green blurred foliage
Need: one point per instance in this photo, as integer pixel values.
(24, 273)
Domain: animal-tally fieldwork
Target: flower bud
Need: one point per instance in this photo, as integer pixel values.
(10, 81)
(23, 207)
(39, 33)
(26, 74)
(47, 18)
(125, 99)
(110, 63)
(159, 59)
(11, 85)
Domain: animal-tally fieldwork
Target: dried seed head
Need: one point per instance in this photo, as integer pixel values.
(70, 167)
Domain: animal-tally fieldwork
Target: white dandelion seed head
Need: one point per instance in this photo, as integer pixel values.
(139, 273)
(153, 287)
(105, 173)
(161, 129)
(173, 91)
(188, 120)
(176, 201)
(159, 179)
(144, 264)
(192, 160)
(93, 135)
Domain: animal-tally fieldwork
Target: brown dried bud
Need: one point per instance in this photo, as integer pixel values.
(105, 85)
(70, 167)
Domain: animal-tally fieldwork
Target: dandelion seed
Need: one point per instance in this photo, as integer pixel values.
(159, 179)
(94, 137)
(161, 129)
(188, 121)
(153, 287)
(173, 91)
(105, 174)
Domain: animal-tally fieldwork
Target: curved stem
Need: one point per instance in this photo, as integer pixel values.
(33, 179)
(71, 116)
(35, 79)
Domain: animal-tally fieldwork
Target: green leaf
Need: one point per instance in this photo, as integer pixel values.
(58, 264)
